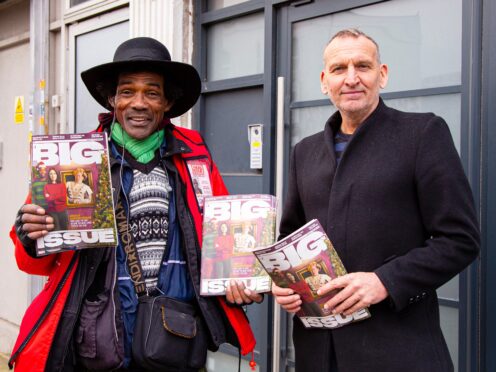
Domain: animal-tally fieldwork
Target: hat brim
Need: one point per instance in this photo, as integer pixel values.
(101, 81)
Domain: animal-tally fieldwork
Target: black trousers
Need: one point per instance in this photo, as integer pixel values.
(135, 368)
(314, 349)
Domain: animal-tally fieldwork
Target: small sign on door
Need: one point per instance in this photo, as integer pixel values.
(256, 144)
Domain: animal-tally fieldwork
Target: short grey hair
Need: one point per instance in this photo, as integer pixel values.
(354, 33)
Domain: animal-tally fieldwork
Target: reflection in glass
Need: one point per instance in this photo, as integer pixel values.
(450, 290)
(309, 120)
(289, 339)
(448, 106)
(77, 2)
(420, 54)
(92, 49)
(235, 48)
(449, 325)
(219, 4)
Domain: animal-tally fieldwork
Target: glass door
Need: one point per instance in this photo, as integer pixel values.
(230, 55)
(91, 42)
(424, 59)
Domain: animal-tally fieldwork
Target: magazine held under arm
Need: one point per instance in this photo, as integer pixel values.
(304, 261)
(71, 181)
(233, 226)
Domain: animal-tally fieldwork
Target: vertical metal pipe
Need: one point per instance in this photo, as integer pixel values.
(39, 45)
(63, 74)
(276, 343)
(38, 118)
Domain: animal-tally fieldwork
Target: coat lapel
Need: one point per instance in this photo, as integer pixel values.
(345, 173)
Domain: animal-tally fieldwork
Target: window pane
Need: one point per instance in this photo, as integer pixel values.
(77, 2)
(445, 105)
(235, 48)
(449, 326)
(94, 48)
(309, 120)
(420, 51)
(450, 290)
(219, 4)
(289, 339)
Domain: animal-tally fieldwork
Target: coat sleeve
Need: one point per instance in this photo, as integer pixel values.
(218, 186)
(449, 218)
(293, 215)
(27, 263)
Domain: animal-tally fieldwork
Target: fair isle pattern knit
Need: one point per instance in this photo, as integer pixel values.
(148, 220)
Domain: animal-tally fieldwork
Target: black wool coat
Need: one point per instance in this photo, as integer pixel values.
(399, 204)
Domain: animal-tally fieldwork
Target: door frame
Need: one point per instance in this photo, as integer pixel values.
(75, 30)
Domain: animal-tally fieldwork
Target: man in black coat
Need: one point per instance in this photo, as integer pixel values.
(390, 191)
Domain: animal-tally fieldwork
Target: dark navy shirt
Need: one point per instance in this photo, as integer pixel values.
(340, 142)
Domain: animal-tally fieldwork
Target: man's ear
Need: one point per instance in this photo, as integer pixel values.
(323, 85)
(111, 101)
(383, 76)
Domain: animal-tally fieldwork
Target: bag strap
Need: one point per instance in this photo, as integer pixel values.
(133, 262)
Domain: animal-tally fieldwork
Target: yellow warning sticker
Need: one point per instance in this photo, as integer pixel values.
(19, 110)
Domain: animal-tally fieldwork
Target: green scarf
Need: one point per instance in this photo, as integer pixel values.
(142, 150)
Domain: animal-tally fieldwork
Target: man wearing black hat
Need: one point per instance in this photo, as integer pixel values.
(75, 323)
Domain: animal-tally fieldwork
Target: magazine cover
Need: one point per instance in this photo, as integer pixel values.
(304, 261)
(233, 226)
(71, 181)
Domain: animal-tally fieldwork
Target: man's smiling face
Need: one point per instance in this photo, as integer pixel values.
(353, 76)
(140, 103)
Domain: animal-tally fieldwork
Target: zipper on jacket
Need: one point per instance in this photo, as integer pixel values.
(45, 312)
(204, 311)
(112, 296)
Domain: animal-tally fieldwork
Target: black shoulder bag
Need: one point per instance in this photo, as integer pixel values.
(99, 337)
(168, 333)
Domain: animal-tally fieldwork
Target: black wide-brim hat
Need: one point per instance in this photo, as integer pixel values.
(145, 54)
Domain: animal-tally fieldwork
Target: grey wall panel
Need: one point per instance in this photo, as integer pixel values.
(243, 184)
(227, 116)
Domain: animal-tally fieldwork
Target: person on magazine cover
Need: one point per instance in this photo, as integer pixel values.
(56, 197)
(38, 185)
(224, 243)
(390, 191)
(244, 240)
(301, 286)
(317, 279)
(142, 88)
(77, 190)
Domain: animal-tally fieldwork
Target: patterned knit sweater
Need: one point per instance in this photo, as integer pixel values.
(148, 220)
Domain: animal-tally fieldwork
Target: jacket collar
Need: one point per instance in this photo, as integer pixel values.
(174, 145)
(170, 146)
(334, 123)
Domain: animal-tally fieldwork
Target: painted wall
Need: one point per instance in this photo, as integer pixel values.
(15, 75)
(15, 78)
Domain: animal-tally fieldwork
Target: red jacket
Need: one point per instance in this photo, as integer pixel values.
(40, 321)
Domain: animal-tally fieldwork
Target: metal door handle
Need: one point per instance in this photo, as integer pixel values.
(276, 341)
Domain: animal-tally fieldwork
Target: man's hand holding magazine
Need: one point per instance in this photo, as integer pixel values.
(356, 291)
